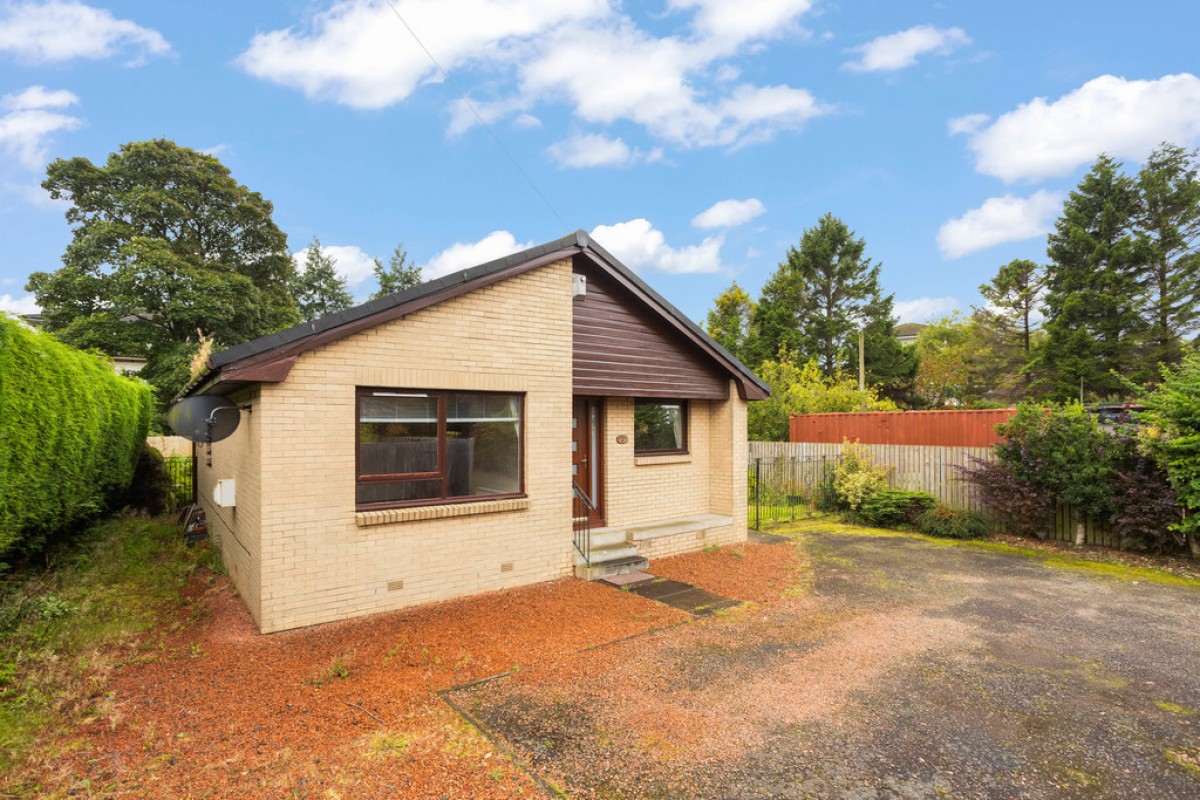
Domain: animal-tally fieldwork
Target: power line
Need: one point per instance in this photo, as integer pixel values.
(446, 77)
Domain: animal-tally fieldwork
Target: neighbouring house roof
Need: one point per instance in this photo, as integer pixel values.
(269, 359)
(908, 329)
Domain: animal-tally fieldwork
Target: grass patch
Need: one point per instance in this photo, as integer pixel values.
(1107, 564)
(68, 622)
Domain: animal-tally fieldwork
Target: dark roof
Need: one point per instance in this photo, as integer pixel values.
(293, 339)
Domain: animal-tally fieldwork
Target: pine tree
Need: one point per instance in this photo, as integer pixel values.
(817, 301)
(1169, 240)
(1013, 294)
(318, 289)
(398, 275)
(1092, 294)
(729, 320)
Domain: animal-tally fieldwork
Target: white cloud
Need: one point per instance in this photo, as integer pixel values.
(39, 97)
(999, 220)
(350, 262)
(360, 54)
(584, 53)
(462, 255)
(730, 24)
(19, 305)
(590, 150)
(899, 50)
(1124, 118)
(967, 124)
(26, 129)
(729, 213)
(597, 150)
(923, 309)
(639, 245)
(61, 30)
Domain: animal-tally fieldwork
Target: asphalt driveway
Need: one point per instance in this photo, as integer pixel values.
(898, 668)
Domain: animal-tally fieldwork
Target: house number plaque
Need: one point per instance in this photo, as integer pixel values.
(622, 439)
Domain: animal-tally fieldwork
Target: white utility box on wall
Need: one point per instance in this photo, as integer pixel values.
(225, 493)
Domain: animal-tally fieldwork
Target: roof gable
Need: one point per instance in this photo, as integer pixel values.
(269, 359)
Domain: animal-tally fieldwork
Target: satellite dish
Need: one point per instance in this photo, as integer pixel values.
(204, 419)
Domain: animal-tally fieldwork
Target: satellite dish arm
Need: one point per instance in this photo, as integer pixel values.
(212, 416)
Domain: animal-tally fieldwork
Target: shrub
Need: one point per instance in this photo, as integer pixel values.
(952, 523)
(1062, 452)
(1025, 510)
(1146, 515)
(1173, 411)
(892, 508)
(70, 433)
(855, 478)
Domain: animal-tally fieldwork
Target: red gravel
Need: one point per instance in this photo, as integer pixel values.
(211, 708)
(757, 572)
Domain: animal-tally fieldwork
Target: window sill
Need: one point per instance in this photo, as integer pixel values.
(388, 516)
(675, 458)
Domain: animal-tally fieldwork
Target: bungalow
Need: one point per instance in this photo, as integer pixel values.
(504, 425)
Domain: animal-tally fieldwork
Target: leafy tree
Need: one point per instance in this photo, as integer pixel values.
(802, 389)
(398, 275)
(165, 243)
(1169, 239)
(1173, 435)
(818, 300)
(947, 349)
(729, 320)
(318, 289)
(1091, 299)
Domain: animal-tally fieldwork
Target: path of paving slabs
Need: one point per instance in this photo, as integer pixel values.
(906, 669)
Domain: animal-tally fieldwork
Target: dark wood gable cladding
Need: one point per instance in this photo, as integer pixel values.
(623, 349)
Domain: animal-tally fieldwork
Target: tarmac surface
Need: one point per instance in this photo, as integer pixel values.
(902, 668)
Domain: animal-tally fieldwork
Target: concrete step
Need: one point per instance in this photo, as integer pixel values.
(608, 537)
(605, 569)
(610, 553)
(678, 525)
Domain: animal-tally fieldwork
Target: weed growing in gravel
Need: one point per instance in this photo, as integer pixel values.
(385, 743)
(1188, 758)
(339, 669)
(1175, 708)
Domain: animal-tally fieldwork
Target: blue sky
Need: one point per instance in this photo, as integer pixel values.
(696, 139)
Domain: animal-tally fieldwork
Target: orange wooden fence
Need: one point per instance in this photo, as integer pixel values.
(974, 428)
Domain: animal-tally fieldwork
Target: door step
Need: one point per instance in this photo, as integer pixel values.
(617, 566)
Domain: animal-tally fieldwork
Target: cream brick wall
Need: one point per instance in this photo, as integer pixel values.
(710, 479)
(318, 564)
(659, 487)
(236, 530)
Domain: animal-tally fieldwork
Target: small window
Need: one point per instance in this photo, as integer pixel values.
(422, 447)
(659, 426)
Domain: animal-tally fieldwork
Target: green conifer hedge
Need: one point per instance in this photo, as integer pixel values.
(70, 433)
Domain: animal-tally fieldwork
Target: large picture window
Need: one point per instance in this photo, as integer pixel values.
(417, 447)
(659, 427)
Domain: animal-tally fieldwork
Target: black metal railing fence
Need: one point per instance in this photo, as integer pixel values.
(181, 470)
(581, 521)
(787, 488)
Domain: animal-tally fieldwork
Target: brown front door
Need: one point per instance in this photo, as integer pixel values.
(587, 452)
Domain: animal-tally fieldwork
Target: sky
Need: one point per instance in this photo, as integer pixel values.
(695, 139)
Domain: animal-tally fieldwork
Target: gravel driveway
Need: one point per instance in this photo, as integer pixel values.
(901, 668)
